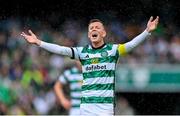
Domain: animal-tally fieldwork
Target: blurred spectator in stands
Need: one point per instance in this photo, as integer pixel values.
(175, 48)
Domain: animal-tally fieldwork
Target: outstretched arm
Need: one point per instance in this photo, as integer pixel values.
(32, 39)
(151, 25)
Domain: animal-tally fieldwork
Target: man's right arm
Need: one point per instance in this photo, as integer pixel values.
(54, 48)
(62, 50)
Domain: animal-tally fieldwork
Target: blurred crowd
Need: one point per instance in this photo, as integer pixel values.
(28, 73)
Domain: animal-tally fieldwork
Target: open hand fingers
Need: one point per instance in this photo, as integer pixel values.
(157, 19)
(30, 32)
(23, 34)
(150, 19)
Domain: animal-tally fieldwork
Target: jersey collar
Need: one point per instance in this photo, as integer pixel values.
(98, 47)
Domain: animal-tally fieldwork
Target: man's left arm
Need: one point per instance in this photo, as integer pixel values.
(127, 47)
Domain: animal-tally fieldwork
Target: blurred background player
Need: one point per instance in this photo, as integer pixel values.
(73, 77)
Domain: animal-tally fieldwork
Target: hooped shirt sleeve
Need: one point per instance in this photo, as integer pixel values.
(64, 77)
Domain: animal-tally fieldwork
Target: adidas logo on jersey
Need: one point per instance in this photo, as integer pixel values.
(87, 56)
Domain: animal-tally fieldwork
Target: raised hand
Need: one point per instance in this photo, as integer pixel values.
(31, 38)
(152, 24)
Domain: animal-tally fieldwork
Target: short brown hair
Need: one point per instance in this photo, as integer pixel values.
(95, 20)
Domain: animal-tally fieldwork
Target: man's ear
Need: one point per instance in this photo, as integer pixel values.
(104, 34)
(89, 35)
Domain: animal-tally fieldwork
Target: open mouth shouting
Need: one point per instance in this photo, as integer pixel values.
(94, 35)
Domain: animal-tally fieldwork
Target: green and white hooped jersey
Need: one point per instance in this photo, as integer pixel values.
(98, 71)
(98, 66)
(74, 78)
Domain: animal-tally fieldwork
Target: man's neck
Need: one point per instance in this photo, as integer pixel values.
(98, 45)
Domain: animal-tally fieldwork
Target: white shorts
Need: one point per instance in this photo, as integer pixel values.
(96, 109)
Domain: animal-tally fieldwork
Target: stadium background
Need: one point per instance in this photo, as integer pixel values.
(148, 79)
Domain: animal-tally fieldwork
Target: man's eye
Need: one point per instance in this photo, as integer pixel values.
(97, 27)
